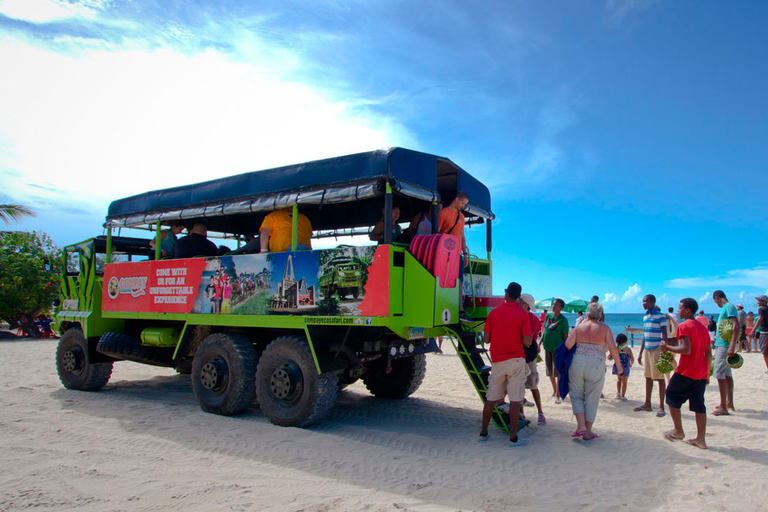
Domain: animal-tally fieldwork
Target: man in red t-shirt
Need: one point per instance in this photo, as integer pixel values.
(507, 330)
(691, 375)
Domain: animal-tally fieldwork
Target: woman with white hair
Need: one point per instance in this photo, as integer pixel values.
(587, 371)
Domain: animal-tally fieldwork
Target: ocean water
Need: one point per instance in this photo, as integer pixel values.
(616, 321)
(619, 321)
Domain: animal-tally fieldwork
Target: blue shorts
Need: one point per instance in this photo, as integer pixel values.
(683, 389)
(626, 370)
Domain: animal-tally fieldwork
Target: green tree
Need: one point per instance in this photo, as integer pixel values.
(29, 277)
(9, 212)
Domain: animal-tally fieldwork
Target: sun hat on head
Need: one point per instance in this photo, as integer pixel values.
(740, 306)
(528, 299)
(762, 297)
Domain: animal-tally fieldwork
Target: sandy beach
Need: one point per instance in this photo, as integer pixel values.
(143, 443)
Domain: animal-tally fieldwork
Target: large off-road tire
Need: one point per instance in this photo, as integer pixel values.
(223, 374)
(288, 387)
(124, 346)
(73, 363)
(404, 379)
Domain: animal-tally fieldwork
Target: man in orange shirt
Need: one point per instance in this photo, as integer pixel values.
(276, 231)
(451, 221)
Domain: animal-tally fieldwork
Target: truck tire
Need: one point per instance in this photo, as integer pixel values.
(223, 374)
(72, 363)
(404, 379)
(288, 387)
(124, 346)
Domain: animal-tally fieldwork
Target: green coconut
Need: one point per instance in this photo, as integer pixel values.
(725, 329)
(664, 365)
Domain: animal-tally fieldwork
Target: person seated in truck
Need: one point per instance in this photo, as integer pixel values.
(252, 245)
(377, 234)
(276, 232)
(196, 243)
(421, 223)
(168, 239)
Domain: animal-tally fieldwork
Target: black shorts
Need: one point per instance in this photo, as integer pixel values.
(683, 389)
(743, 335)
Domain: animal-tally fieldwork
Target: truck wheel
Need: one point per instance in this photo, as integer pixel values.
(75, 372)
(404, 379)
(288, 387)
(223, 374)
(355, 292)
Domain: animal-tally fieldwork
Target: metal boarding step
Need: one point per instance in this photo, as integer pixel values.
(477, 363)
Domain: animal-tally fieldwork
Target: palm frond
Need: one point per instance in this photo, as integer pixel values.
(9, 212)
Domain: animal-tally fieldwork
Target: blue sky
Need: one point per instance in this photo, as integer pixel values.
(624, 141)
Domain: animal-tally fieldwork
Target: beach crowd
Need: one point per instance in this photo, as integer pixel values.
(679, 354)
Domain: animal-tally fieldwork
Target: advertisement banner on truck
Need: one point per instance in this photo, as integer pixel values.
(342, 282)
(152, 286)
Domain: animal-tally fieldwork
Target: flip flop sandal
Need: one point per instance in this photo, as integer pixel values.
(579, 433)
(720, 412)
(590, 436)
(661, 414)
(669, 437)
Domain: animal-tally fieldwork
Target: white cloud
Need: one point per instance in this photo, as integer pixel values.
(628, 298)
(751, 277)
(48, 11)
(103, 122)
(632, 292)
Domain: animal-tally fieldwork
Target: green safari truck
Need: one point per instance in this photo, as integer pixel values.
(286, 330)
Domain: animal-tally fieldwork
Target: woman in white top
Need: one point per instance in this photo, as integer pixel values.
(421, 224)
(586, 374)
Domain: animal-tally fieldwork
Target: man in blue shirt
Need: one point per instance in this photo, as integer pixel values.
(654, 332)
(723, 349)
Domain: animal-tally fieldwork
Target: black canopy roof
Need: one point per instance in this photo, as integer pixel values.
(335, 193)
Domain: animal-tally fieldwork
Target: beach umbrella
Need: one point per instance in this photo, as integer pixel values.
(541, 305)
(576, 305)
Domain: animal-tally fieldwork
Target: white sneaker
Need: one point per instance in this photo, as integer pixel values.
(520, 442)
(482, 439)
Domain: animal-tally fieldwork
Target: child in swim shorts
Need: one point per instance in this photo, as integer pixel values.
(626, 359)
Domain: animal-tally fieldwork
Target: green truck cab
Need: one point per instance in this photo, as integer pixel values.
(284, 330)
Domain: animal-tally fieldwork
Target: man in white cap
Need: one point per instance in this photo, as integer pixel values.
(762, 324)
(532, 353)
